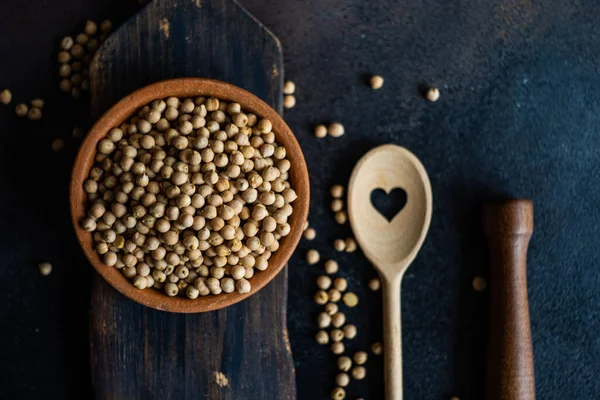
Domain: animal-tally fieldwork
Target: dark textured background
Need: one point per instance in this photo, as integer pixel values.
(518, 116)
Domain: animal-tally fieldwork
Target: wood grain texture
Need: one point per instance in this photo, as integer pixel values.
(392, 337)
(391, 246)
(141, 353)
(508, 227)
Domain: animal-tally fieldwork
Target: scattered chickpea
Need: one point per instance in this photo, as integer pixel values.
(66, 43)
(338, 319)
(321, 297)
(337, 191)
(39, 103)
(331, 266)
(337, 205)
(77, 132)
(312, 257)
(342, 379)
(359, 373)
(64, 56)
(334, 295)
(351, 245)
(5, 96)
(322, 337)
(58, 145)
(105, 26)
(377, 348)
(34, 114)
(331, 308)
(339, 245)
(350, 331)
(360, 357)
(376, 82)
(45, 268)
(82, 38)
(289, 87)
(344, 363)
(324, 282)
(310, 234)
(336, 335)
(337, 347)
(340, 284)
(78, 51)
(433, 94)
(374, 284)
(338, 394)
(323, 320)
(289, 101)
(65, 85)
(479, 283)
(341, 217)
(21, 110)
(335, 130)
(320, 131)
(90, 28)
(350, 299)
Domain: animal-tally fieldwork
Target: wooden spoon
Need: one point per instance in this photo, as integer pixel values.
(390, 245)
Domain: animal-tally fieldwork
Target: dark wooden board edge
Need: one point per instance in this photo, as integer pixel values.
(241, 352)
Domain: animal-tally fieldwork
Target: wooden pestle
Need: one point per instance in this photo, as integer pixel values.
(508, 227)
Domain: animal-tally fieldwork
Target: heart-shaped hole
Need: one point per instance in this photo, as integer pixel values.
(388, 204)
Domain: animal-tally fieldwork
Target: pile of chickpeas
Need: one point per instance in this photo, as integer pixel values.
(332, 294)
(76, 54)
(190, 196)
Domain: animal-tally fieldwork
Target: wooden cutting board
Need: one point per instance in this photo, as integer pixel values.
(241, 352)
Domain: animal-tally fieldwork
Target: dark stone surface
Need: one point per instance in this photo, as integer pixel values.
(518, 116)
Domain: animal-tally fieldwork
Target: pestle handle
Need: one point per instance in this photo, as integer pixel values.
(508, 227)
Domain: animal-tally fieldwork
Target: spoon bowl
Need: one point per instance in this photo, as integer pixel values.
(391, 245)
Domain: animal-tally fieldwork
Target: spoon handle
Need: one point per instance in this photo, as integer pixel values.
(508, 227)
(392, 338)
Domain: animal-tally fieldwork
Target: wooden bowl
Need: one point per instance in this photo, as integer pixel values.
(189, 87)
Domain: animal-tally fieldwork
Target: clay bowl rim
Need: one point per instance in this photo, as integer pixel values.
(189, 87)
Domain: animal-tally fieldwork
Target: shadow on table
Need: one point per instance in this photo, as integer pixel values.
(472, 316)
